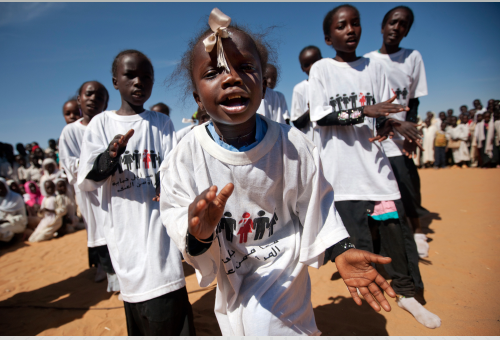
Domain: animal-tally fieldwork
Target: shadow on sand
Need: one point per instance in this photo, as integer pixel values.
(30, 313)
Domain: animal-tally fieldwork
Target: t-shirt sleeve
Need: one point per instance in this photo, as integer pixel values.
(67, 156)
(297, 110)
(93, 144)
(418, 86)
(178, 191)
(318, 98)
(322, 226)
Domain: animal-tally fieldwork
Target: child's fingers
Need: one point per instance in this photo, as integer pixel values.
(377, 258)
(354, 294)
(128, 135)
(393, 98)
(224, 195)
(382, 283)
(369, 298)
(379, 296)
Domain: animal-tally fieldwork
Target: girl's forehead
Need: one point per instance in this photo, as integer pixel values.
(345, 13)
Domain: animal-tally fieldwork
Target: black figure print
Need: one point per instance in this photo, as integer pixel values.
(137, 158)
(339, 102)
(127, 159)
(404, 93)
(346, 101)
(333, 104)
(398, 93)
(353, 98)
(273, 222)
(368, 98)
(153, 159)
(229, 224)
(260, 225)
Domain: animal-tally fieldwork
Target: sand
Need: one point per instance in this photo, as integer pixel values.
(48, 289)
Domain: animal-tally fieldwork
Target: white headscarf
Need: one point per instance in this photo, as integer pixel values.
(12, 202)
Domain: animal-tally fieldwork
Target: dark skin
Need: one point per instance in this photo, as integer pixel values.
(450, 112)
(61, 188)
(344, 36)
(134, 80)
(477, 104)
(91, 100)
(235, 117)
(442, 116)
(158, 108)
(50, 188)
(307, 60)
(395, 29)
(271, 76)
(50, 168)
(70, 111)
(463, 109)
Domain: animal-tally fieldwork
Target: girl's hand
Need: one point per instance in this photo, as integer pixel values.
(384, 108)
(119, 143)
(355, 267)
(383, 133)
(206, 211)
(410, 148)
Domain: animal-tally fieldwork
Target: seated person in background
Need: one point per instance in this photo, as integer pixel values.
(13, 218)
(70, 220)
(51, 212)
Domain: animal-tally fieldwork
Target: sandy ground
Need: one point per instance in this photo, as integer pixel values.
(48, 289)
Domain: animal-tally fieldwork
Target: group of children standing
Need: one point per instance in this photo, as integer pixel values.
(344, 190)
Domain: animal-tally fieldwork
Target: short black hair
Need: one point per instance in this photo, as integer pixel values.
(95, 81)
(327, 22)
(163, 106)
(118, 57)
(412, 16)
(310, 47)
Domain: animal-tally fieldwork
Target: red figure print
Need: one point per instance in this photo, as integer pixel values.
(362, 99)
(246, 228)
(146, 159)
(393, 90)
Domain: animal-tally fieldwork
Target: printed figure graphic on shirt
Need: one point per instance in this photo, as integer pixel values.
(369, 98)
(397, 93)
(404, 93)
(333, 103)
(260, 224)
(362, 99)
(228, 224)
(339, 101)
(137, 158)
(146, 159)
(272, 224)
(354, 98)
(127, 159)
(346, 101)
(246, 227)
(153, 159)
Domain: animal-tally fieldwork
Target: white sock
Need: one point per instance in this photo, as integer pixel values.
(422, 245)
(422, 315)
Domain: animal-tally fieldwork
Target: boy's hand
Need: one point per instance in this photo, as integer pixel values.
(383, 133)
(356, 270)
(384, 108)
(410, 148)
(206, 211)
(119, 143)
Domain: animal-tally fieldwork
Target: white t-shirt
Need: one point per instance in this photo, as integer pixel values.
(184, 131)
(406, 74)
(263, 286)
(89, 201)
(146, 261)
(274, 107)
(300, 99)
(356, 168)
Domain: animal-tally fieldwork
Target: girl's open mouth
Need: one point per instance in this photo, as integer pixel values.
(235, 104)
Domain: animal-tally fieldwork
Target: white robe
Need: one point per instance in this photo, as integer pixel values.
(429, 135)
(460, 132)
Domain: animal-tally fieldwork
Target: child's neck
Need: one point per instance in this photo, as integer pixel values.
(389, 49)
(346, 57)
(128, 109)
(237, 135)
(86, 119)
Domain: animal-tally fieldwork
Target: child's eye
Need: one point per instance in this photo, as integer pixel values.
(210, 74)
(247, 67)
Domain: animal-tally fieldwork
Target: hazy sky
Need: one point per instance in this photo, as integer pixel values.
(49, 49)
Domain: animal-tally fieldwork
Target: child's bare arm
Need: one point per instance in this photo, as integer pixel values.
(355, 267)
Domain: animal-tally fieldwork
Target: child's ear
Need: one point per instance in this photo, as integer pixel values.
(78, 101)
(198, 101)
(328, 40)
(115, 84)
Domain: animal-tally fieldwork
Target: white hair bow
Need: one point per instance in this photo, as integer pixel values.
(219, 23)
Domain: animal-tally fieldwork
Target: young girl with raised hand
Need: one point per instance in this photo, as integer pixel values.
(92, 99)
(121, 154)
(406, 75)
(366, 192)
(274, 215)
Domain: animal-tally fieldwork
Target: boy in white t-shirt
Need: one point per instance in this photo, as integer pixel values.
(274, 215)
(273, 105)
(92, 99)
(300, 97)
(125, 167)
(344, 93)
(406, 74)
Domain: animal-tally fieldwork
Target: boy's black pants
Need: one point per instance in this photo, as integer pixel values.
(170, 314)
(392, 238)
